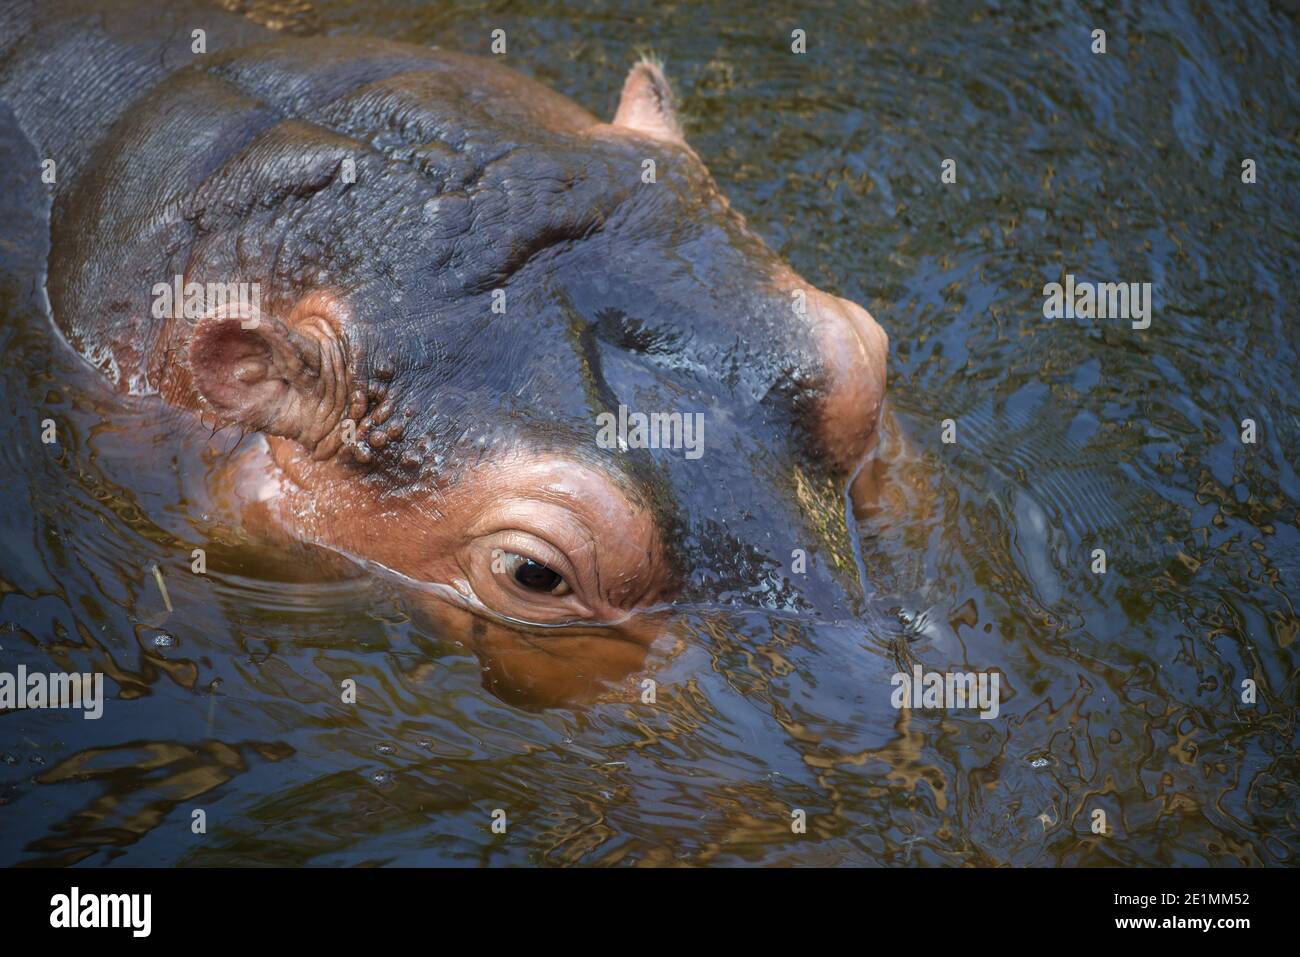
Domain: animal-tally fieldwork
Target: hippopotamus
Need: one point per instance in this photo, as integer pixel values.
(530, 363)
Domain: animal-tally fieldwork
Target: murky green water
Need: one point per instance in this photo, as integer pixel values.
(1122, 692)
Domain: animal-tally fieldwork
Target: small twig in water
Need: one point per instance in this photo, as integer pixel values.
(162, 586)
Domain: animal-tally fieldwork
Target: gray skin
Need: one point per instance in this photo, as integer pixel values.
(469, 177)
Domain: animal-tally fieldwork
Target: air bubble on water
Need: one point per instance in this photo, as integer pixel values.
(385, 749)
(382, 778)
(1039, 763)
(8, 758)
(164, 640)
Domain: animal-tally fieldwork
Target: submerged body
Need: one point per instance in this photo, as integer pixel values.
(440, 283)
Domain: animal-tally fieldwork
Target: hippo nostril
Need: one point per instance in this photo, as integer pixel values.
(868, 330)
(854, 350)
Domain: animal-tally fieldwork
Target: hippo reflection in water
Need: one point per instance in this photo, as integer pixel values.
(458, 272)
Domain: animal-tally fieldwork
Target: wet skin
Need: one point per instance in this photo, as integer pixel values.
(393, 416)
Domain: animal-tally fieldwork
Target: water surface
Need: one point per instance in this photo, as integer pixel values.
(1121, 691)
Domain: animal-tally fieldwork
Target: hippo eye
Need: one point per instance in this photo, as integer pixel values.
(533, 575)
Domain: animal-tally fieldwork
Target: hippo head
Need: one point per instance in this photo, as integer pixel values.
(535, 365)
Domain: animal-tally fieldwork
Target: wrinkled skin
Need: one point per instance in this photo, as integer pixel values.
(397, 418)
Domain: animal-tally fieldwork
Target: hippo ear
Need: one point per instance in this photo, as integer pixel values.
(647, 103)
(290, 380)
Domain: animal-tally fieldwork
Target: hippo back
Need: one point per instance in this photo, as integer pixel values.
(176, 163)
